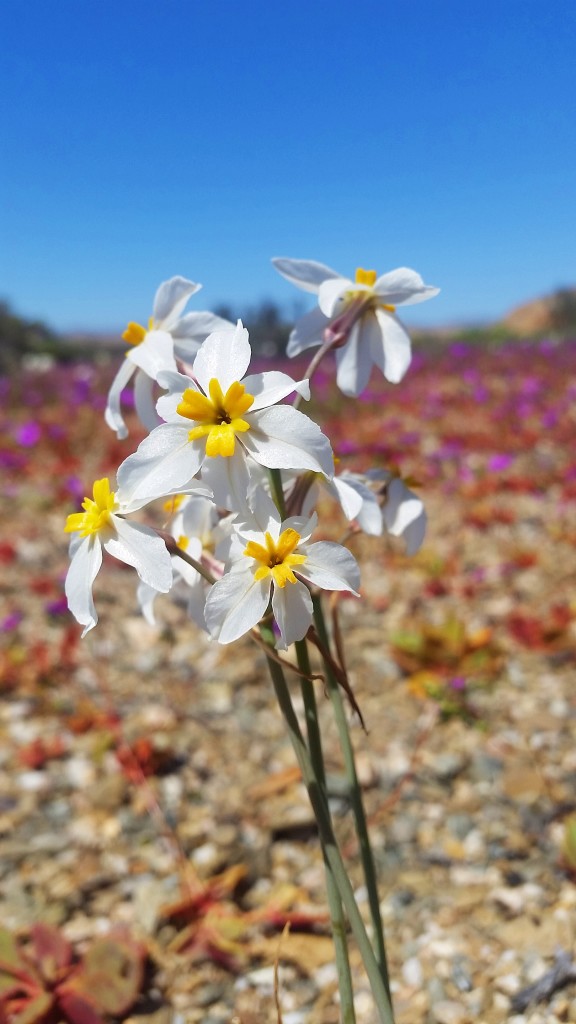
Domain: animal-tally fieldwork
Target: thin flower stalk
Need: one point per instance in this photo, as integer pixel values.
(317, 799)
(355, 791)
(337, 918)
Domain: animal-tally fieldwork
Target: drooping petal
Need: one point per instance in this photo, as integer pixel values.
(404, 515)
(225, 356)
(283, 438)
(292, 607)
(348, 495)
(145, 401)
(84, 567)
(353, 363)
(142, 548)
(331, 567)
(113, 412)
(170, 300)
(415, 532)
(331, 292)
(403, 287)
(272, 386)
(235, 604)
(307, 332)
(369, 514)
(305, 274)
(391, 348)
(163, 463)
(146, 596)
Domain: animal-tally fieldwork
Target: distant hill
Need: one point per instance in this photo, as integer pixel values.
(551, 314)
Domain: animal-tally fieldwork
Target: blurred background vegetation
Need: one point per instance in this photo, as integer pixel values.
(23, 340)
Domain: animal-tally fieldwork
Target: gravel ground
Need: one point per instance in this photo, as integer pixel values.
(144, 761)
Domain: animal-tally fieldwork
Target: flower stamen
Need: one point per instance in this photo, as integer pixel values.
(367, 277)
(97, 511)
(219, 416)
(277, 557)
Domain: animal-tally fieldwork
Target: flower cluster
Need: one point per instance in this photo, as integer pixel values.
(238, 468)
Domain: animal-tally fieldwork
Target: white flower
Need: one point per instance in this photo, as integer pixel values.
(199, 533)
(377, 500)
(168, 336)
(356, 498)
(99, 526)
(357, 318)
(218, 420)
(403, 513)
(274, 559)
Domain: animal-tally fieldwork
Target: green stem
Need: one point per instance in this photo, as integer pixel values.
(327, 837)
(366, 854)
(337, 918)
(277, 491)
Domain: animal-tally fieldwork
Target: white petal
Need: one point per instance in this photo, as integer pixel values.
(224, 355)
(391, 351)
(83, 570)
(292, 607)
(261, 517)
(272, 386)
(176, 382)
(283, 438)
(197, 603)
(414, 533)
(307, 332)
(403, 287)
(305, 274)
(235, 604)
(154, 354)
(331, 292)
(331, 567)
(402, 510)
(194, 328)
(113, 411)
(229, 479)
(170, 300)
(142, 548)
(145, 401)
(353, 363)
(349, 497)
(164, 462)
(146, 596)
(304, 525)
(199, 517)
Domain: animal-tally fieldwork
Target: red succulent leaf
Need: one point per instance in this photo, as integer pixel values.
(110, 975)
(16, 973)
(77, 1007)
(35, 1011)
(52, 952)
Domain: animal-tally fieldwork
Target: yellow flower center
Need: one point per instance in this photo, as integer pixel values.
(183, 542)
(277, 557)
(368, 278)
(135, 333)
(97, 511)
(219, 416)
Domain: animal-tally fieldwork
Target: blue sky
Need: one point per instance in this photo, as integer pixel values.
(142, 140)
